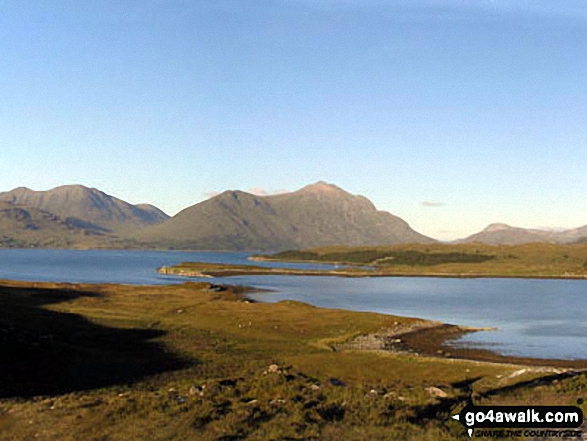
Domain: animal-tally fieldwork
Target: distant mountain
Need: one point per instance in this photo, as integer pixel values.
(25, 227)
(77, 203)
(502, 234)
(317, 215)
(573, 235)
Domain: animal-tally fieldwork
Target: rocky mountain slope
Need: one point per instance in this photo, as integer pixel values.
(317, 215)
(24, 227)
(88, 205)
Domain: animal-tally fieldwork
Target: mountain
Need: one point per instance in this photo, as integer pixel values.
(502, 234)
(89, 206)
(30, 227)
(574, 235)
(317, 215)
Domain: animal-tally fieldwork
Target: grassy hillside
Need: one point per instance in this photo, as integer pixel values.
(196, 362)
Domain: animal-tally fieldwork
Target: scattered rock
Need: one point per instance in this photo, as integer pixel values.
(336, 382)
(518, 373)
(436, 392)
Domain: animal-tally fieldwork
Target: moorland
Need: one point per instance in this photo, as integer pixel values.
(203, 362)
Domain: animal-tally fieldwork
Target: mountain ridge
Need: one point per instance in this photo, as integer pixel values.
(316, 215)
(86, 204)
(504, 234)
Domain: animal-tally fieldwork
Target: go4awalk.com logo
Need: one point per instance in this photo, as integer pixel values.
(521, 421)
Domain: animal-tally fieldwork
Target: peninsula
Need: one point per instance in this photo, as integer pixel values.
(537, 260)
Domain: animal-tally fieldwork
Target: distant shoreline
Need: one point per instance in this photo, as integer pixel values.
(205, 270)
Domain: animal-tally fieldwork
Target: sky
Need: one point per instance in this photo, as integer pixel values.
(451, 114)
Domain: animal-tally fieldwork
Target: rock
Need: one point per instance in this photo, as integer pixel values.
(273, 369)
(336, 382)
(518, 373)
(315, 387)
(436, 392)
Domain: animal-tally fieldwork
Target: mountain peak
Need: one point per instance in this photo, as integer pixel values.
(497, 227)
(322, 187)
(320, 214)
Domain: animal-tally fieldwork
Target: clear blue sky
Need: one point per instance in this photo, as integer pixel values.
(449, 113)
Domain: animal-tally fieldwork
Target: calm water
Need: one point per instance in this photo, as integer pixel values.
(106, 266)
(537, 318)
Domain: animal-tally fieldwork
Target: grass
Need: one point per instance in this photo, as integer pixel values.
(528, 260)
(107, 362)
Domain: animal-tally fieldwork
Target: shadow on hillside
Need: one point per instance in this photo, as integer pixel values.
(45, 352)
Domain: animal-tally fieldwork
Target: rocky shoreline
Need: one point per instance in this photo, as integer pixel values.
(432, 339)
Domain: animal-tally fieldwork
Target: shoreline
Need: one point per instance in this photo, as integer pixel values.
(430, 339)
(434, 341)
(205, 270)
(422, 338)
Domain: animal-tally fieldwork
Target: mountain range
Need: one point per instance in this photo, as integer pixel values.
(321, 214)
(502, 234)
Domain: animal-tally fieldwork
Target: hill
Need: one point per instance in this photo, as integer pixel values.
(317, 215)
